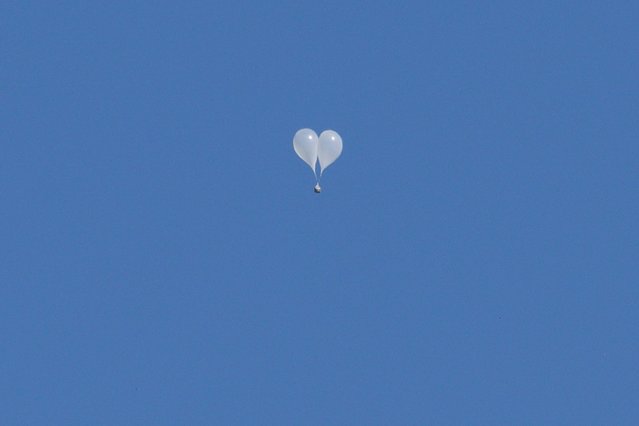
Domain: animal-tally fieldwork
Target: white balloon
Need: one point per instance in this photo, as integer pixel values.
(329, 149)
(305, 143)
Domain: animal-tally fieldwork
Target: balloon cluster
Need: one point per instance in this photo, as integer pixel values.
(326, 149)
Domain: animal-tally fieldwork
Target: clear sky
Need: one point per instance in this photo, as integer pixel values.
(472, 259)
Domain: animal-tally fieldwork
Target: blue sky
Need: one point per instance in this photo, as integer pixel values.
(472, 258)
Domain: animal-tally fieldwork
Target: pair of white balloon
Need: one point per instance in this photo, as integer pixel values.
(326, 148)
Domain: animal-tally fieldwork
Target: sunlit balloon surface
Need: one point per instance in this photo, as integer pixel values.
(326, 149)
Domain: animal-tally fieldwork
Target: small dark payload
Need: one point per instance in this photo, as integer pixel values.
(317, 189)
